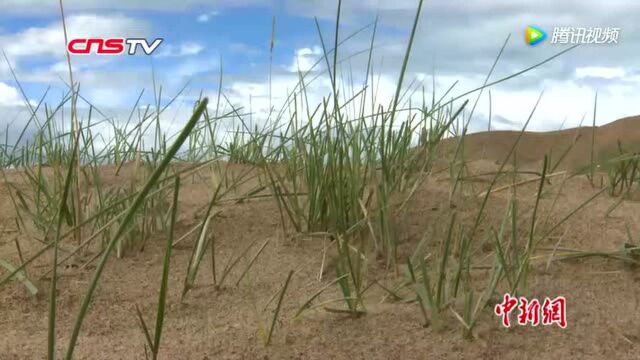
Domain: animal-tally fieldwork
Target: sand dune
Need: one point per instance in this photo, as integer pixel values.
(534, 145)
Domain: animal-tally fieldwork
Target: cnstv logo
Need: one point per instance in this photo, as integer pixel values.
(534, 35)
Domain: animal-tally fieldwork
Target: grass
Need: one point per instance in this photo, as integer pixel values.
(623, 172)
(337, 169)
(154, 344)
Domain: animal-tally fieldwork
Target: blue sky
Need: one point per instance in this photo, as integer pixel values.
(194, 44)
(456, 41)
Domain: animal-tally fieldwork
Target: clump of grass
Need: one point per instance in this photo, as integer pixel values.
(340, 172)
(623, 172)
(432, 297)
(223, 183)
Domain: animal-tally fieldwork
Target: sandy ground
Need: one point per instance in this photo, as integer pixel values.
(228, 323)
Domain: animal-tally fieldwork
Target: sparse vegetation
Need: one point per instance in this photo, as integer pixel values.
(623, 172)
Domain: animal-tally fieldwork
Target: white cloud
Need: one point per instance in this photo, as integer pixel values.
(562, 99)
(5, 73)
(191, 49)
(600, 72)
(305, 58)
(185, 49)
(193, 66)
(61, 67)
(9, 96)
(109, 97)
(206, 16)
(244, 49)
(257, 96)
(49, 40)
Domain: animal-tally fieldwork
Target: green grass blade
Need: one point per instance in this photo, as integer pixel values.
(278, 306)
(162, 297)
(20, 276)
(307, 304)
(145, 329)
(51, 339)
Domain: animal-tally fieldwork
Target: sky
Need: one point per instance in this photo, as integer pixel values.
(456, 42)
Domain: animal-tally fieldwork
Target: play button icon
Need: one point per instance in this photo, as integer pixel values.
(534, 35)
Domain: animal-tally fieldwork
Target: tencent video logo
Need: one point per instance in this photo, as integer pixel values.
(534, 35)
(573, 35)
